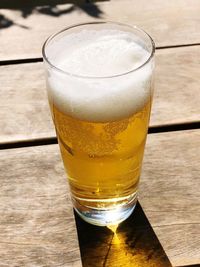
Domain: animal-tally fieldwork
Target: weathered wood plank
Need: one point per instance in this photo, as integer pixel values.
(177, 81)
(169, 193)
(169, 22)
(25, 113)
(36, 223)
(184, 237)
(36, 220)
(24, 108)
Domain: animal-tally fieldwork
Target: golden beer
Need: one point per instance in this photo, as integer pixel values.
(99, 82)
(102, 160)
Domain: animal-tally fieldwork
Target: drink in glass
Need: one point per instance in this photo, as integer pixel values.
(100, 82)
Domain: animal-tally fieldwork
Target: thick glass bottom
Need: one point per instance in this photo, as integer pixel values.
(111, 215)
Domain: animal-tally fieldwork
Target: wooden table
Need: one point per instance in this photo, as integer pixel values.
(37, 226)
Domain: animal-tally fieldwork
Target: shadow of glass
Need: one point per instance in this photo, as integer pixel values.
(133, 244)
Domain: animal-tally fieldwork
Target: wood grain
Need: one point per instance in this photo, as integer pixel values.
(177, 80)
(169, 22)
(36, 221)
(25, 113)
(169, 193)
(24, 107)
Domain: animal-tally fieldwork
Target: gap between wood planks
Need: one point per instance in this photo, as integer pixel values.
(53, 140)
(39, 59)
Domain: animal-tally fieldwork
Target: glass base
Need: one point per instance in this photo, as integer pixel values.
(104, 217)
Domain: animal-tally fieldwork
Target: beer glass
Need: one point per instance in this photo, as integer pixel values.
(100, 82)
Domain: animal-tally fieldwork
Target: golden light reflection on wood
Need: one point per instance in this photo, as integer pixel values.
(113, 228)
(132, 243)
(116, 239)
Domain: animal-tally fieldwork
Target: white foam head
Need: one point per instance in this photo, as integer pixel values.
(95, 55)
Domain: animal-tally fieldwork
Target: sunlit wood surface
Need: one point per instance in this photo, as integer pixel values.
(36, 210)
(176, 94)
(37, 225)
(169, 23)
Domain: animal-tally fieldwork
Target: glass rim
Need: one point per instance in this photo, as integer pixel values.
(51, 37)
